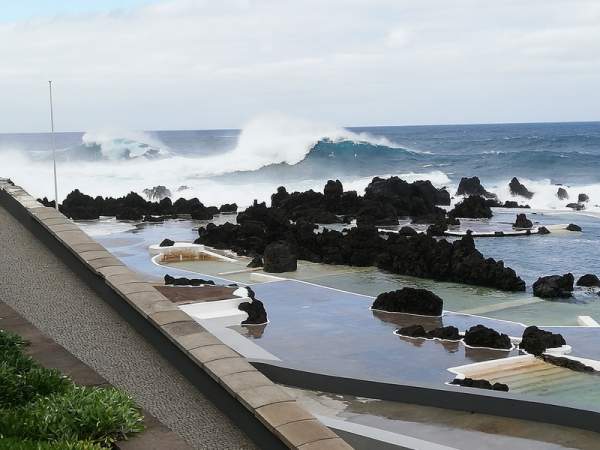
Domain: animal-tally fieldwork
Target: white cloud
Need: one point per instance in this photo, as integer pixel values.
(207, 64)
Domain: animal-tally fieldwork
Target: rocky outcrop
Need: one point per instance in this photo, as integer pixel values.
(228, 208)
(554, 286)
(513, 204)
(536, 341)
(257, 315)
(411, 301)
(166, 243)
(279, 257)
(543, 230)
(474, 207)
(407, 231)
(472, 186)
(448, 333)
(583, 198)
(169, 280)
(573, 227)
(516, 188)
(576, 206)
(157, 193)
(562, 194)
(481, 336)
(589, 280)
(568, 363)
(480, 384)
(522, 222)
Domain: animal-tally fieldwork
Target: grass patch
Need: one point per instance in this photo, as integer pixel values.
(44, 410)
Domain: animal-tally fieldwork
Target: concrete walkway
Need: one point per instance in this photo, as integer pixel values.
(44, 290)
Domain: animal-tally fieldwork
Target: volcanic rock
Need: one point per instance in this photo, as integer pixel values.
(522, 222)
(410, 300)
(257, 315)
(589, 280)
(543, 230)
(480, 384)
(279, 257)
(166, 243)
(516, 188)
(228, 208)
(573, 227)
(576, 206)
(481, 336)
(169, 280)
(157, 193)
(448, 333)
(407, 231)
(536, 341)
(582, 198)
(472, 186)
(568, 363)
(554, 286)
(513, 204)
(257, 261)
(473, 207)
(562, 194)
(412, 331)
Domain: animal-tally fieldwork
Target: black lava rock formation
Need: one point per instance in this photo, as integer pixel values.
(279, 257)
(480, 384)
(522, 222)
(554, 286)
(573, 227)
(473, 207)
(536, 341)
(228, 208)
(568, 363)
(448, 333)
(516, 188)
(410, 300)
(589, 280)
(472, 186)
(169, 280)
(583, 198)
(543, 230)
(167, 243)
(562, 194)
(481, 336)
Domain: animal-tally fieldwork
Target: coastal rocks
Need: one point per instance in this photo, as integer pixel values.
(79, 206)
(411, 301)
(333, 190)
(522, 222)
(228, 208)
(562, 194)
(588, 280)
(568, 363)
(583, 198)
(576, 206)
(554, 286)
(47, 203)
(536, 341)
(448, 333)
(543, 230)
(516, 188)
(257, 315)
(166, 243)
(157, 193)
(414, 331)
(473, 207)
(573, 227)
(279, 257)
(480, 384)
(169, 280)
(256, 262)
(481, 336)
(407, 231)
(513, 204)
(472, 186)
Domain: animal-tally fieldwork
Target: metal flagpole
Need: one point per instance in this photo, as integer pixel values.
(53, 147)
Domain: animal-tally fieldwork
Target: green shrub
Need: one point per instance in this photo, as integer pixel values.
(19, 387)
(10, 340)
(18, 444)
(95, 414)
(15, 358)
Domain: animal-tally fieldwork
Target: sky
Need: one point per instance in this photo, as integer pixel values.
(205, 64)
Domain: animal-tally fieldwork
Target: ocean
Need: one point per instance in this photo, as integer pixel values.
(220, 166)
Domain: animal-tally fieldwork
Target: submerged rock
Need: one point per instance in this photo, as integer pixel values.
(543, 230)
(257, 261)
(481, 336)
(169, 280)
(472, 186)
(166, 243)
(516, 188)
(589, 280)
(449, 333)
(583, 198)
(536, 341)
(513, 204)
(410, 300)
(562, 194)
(279, 257)
(480, 384)
(412, 331)
(257, 314)
(568, 363)
(573, 227)
(576, 206)
(554, 286)
(473, 207)
(522, 222)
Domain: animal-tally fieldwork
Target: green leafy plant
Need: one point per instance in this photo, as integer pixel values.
(95, 414)
(19, 444)
(21, 386)
(10, 340)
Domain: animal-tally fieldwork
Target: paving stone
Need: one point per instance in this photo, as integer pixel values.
(113, 270)
(105, 262)
(46, 213)
(165, 317)
(263, 395)
(327, 444)
(57, 221)
(92, 246)
(95, 254)
(73, 237)
(63, 227)
(245, 380)
(227, 366)
(131, 277)
(133, 287)
(279, 414)
(195, 340)
(304, 431)
(210, 353)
